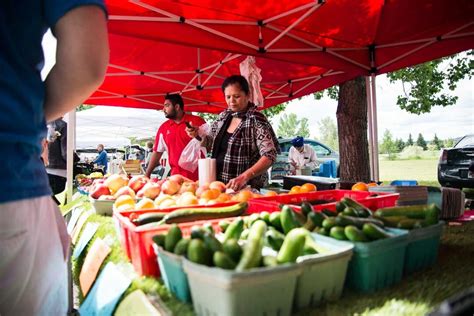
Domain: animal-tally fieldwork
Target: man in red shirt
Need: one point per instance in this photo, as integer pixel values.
(172, 136)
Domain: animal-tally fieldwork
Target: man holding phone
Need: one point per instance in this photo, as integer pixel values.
(172, 137)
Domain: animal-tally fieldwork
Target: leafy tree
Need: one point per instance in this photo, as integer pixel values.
(410, 141)
(423, 84)
(399, 144)
(437, 142)
(420, 141)
(328, 132)
(84, 107)
(388, 145)
(448, 143)
(291, 126)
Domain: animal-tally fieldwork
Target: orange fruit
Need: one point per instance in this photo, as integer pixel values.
(360, 186)
(271, 193)
(295, 190)
(210, 194)
(372, 184)
(309, 187)
(223, 197)
(244, 196)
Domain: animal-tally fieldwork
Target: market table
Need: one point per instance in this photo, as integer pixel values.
(416, 294)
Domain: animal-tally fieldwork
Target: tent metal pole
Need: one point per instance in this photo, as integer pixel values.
(71, 144)
(375, 129)
(368, 92)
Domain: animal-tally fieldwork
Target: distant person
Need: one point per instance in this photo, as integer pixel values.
(148, 152)
(301, 155)
(172, 136)
(34, 244)
(101, 159)
(57, 156)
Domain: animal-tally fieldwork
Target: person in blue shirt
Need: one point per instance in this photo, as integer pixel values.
(34, 244)
(101, 159)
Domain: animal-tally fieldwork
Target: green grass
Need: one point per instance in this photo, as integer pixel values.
(414, 169)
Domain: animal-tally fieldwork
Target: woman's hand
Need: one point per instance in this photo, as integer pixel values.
(238, 183)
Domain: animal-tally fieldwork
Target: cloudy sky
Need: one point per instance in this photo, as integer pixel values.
(449, 122)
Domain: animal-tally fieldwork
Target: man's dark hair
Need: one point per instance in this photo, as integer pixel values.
(237, 79)
(175, 99)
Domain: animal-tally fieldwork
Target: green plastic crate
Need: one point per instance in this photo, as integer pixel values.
(323, 275)
(376, 264)
(171, 269)
(422, 248)
(259, 291)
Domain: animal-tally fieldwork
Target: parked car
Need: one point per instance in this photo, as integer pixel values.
(456, 165)
(282, 167)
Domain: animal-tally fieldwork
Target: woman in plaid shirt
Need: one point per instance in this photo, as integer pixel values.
(241, 139)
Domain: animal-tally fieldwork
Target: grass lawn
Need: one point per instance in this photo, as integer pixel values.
(422, 170)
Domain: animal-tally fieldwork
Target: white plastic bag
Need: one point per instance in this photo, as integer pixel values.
(192, 152)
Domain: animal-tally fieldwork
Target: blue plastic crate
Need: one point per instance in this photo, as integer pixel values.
(405, 183)
(422, 248)
(172, 272)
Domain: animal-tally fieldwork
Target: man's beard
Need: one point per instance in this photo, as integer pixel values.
(171, 115)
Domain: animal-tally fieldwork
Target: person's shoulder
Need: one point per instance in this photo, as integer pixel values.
(258, 115)
(164, 125)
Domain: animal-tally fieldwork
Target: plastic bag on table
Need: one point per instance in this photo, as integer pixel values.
(193, 152)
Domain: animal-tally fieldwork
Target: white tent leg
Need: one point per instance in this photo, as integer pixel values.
(375, 130)
(71, 144)
(368, 89)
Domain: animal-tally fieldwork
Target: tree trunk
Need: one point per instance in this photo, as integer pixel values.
(352, 127)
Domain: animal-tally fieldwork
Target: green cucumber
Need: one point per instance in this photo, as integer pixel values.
(349, 211)
(197, 232)
(344, 220)
(234, 230)
(212, 243)
(181, 247)
(292, 245)
(317, 218)
(306, 208)
(411, 223)
(288, 219)
(322, 231)
(274, 238)
(252, 253)
(194, 214)
(224, 224)
(329, 222)
(159, 240)
(232, 248)
(275, 220)
(390, 221)
(355, 234)
(223, 261)
(245, 234)
(149, 217)
(410, 211)
(172, 237)
(328, 213)
(199, 253)
(432, 214)
(337, 232)
(269, 261)
(360, 209)
(340, 207)
(265, 216)
(374, 232)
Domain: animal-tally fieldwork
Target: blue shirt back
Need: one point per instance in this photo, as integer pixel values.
(22, 123)
(101, 159)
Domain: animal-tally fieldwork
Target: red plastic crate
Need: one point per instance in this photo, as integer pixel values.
(370, 200)
(137, 242)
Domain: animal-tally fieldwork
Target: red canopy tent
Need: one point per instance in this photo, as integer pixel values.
(302, 46)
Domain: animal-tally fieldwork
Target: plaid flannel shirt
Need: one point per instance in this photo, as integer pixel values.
(252, 139)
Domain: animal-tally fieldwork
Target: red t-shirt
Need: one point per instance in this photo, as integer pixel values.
(172, 137)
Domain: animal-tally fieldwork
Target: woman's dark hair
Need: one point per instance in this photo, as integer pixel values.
(175, 99)
(236, 79)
